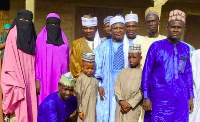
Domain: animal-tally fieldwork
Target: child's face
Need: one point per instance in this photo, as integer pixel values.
(88, 68)
(134, 59)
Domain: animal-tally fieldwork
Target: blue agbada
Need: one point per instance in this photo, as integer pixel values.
(53, 109)
(109, 59)
(167, 81)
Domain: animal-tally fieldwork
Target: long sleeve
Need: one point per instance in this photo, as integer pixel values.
(118, 87)
(67, 52)
(189, 77)
(75, 59)
(136, 99)
(147, 71)
(13, 87)
(79, 90)
(68, 57)
(47, 112)
(99, 64)
(37, 64)
(195, 63)
(72, 107)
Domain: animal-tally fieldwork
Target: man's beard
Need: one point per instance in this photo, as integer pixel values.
(118, 39)
(132, 37)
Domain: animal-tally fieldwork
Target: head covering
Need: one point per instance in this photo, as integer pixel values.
(151, 10)
(117, 19)
(88, 57)
(6, 26)
(177, 15)
(3, 38)
(54, 35)
(4, 35)
(26, 35)
(131, 17)
(67, 80)
(135, 48)
(89, 21)
(107, 19)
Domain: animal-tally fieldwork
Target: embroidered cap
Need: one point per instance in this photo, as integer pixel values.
(67, 80)
(117, 19)
(88, 57)
(135, 48)
(131, 17)
(89, 21)
(177, 15)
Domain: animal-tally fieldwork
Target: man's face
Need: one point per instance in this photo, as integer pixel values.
(131, 29)
(134, 59)
(106, 29)
(6, 30)
(65, 92)
(152, 23)
(118, 31)
(89, 32)
(175, 29)
(88, 68)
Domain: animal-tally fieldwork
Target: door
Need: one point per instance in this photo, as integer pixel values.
(192, 33)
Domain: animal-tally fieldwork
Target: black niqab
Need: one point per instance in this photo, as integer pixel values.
(54, 35)
(26, 35)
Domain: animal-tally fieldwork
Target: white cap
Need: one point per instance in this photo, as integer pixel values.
(117, 19)
(131, 17)
(89, 22)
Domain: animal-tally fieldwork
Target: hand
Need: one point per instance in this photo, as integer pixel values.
(125, 106)
(147, 105)
(37, 87)
(81, 115)
(191, 105)
(101, 93)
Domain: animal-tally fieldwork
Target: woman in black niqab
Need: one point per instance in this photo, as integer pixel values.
(26, 35)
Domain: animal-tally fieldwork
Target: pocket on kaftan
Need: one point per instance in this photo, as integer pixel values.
(182, 64)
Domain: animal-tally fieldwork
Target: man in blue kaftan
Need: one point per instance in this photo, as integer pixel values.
(106, 28)
(110, 59)
(58, 106)
(167, 76)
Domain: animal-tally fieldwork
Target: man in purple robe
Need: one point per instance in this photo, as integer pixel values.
(58, 106)
(52, 57)
(167, 81)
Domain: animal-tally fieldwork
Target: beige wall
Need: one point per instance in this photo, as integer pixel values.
(42, 8)
(4, 18)
(66, 10)
(67, 14)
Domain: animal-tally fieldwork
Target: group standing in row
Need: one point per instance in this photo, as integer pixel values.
(115, 78)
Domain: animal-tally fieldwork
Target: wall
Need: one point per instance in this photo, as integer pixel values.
(4, 18)
(42, 8)
(67, 9)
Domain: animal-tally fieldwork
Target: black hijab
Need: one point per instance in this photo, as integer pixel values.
(26, 35)
(54, 35)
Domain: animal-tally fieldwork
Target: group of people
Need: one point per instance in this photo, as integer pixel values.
(122, 77)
